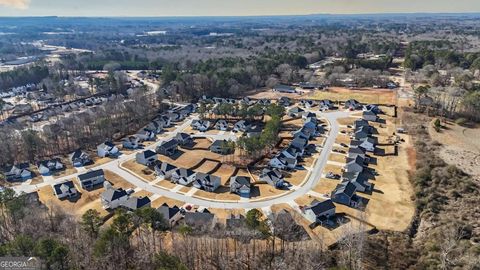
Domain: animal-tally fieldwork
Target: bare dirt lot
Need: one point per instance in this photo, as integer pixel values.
(269, 94)
(367, 95)
(139, 169)
(461, 146)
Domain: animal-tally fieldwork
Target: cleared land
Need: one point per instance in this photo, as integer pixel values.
(367, 95)
(140, 170)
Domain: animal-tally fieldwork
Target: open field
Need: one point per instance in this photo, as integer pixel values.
(269, 94)
(367, 95)
(296, 177)
(139, 169)
(223, 214)
(116, 180)
(202, 143)
(171, 202)
(460, 146)
(337, 157)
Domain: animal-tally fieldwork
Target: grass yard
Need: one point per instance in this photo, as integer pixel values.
(332, 168)
(337, 157)
(222, 193)
(171, 202)
(166, 184)
(116, 180)
(296, 177)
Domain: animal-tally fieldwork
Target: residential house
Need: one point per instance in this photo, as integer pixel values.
(165, 120)
(344, 193)
(273, 177)
(284, 89)
(319, 212)
(307, 115)
(283, 162)
(175, 117)
(307, 103)
(167, 148)
(46, 167)
(65, 190)
(183, 139)
(235, 221)
(326, 104)
(183, 176)
(146, 157)
(295, 112)
(171, 214)
(164, 170)
(353, 152)
(79, 158)
(145, 135)
(248, 101)
(155, 126)
(18, 172)
(292, 152)
(264, 102)
(355, 165)
(371, 108)
(221, 125)
(299, 143)
(220, 147)
(361, 133)
(352, 104)
(113, 198)
(206, 182)
(360, 180)
(107, 149)
(369, 116)
(240, 185)
(133, 203)
(200, 220)
(241, 126)
(130, 142)
(368, 144)
(91, 178)
(284, 101)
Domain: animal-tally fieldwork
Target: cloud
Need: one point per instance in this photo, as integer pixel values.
(18, 4)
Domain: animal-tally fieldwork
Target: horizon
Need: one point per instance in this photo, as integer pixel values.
(225, 8)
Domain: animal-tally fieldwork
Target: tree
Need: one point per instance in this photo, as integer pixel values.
(437, 125)
(91, 222)
(253, 218)
(164, 261)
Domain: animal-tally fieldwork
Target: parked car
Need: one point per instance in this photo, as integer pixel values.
(344, 145)
(332, 175)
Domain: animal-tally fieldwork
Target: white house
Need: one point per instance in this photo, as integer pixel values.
(107, 149)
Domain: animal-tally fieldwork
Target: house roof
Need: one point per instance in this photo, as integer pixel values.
(59, 189)
(134, 203)
(112, 194)
(321, 207)
(346, 188)
(357, 160)
(182, 136)
(169, 144)
(356, 150)
(148, 153)
(218, 143)
(77, 154)
(182, 172)
(168, 212)
(166, 167)
(198, 218)
(90, 174)
(241, 180)
(295, 110)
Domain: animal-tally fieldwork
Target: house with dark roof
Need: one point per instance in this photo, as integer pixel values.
(79, 158)
(353, 152)
(241, 126)
(221, 125)
(273, 177)
(113, 198)
(295, 112)
(284, 101)
(131, 142)
(282, 162)
(65, 190)
(91, 178)
(155, 126)
(247, 101)
(18, 172)
(133, 203)
(284, 89)
(299, 143)
(220, 147)
(355, 164)
(240, 185)
(361, 133)
(235, 221)
(360, 123)
(307, 103)
(206, 182)
(368, 144)
(164, 170)
(46, 167)
(146, 157)
(369, 116)
(183, 139)
(200, 220)
(352, 104)
(292, 152)
(326, 104)
(201, 125)
(360, 180)
(318, 212)
(344, 193)
(171, 214)
(167, 148)
(183, 176)
(107, 149)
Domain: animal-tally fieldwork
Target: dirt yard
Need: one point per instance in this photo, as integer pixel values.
(368, 95)
(143, 171)
(116, 180)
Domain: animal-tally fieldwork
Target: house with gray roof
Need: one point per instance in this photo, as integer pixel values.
(295, 112)
(221, 125)
(18, 172)
(273, 177)
(183, 139)
(79, 158)
(220, 147)
(46, 167)
(113, 198)
(284, 101)
(352, 104)
(369, 116)
(131, 142)
(201, 125)
(133, 203)
(164, 170)
(355, 165)
(145, 135)
(284, 89)
(240, 185)
(353, 152)
(360, 180)
(326, 104)
(242, 126)
(183, 176)
(107, 149)
(282, 162)
(200, 220)
(206, 182)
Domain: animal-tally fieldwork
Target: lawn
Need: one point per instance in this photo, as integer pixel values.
(140, 170)
(369, 95)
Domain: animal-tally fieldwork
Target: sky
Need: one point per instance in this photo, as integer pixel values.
(152, 8)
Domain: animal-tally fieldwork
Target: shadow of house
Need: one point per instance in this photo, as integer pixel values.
(381, 121)
(177, 154)
(332, 223)
(254, 192)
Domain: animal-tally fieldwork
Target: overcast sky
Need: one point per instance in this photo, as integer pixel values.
(226, 7)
